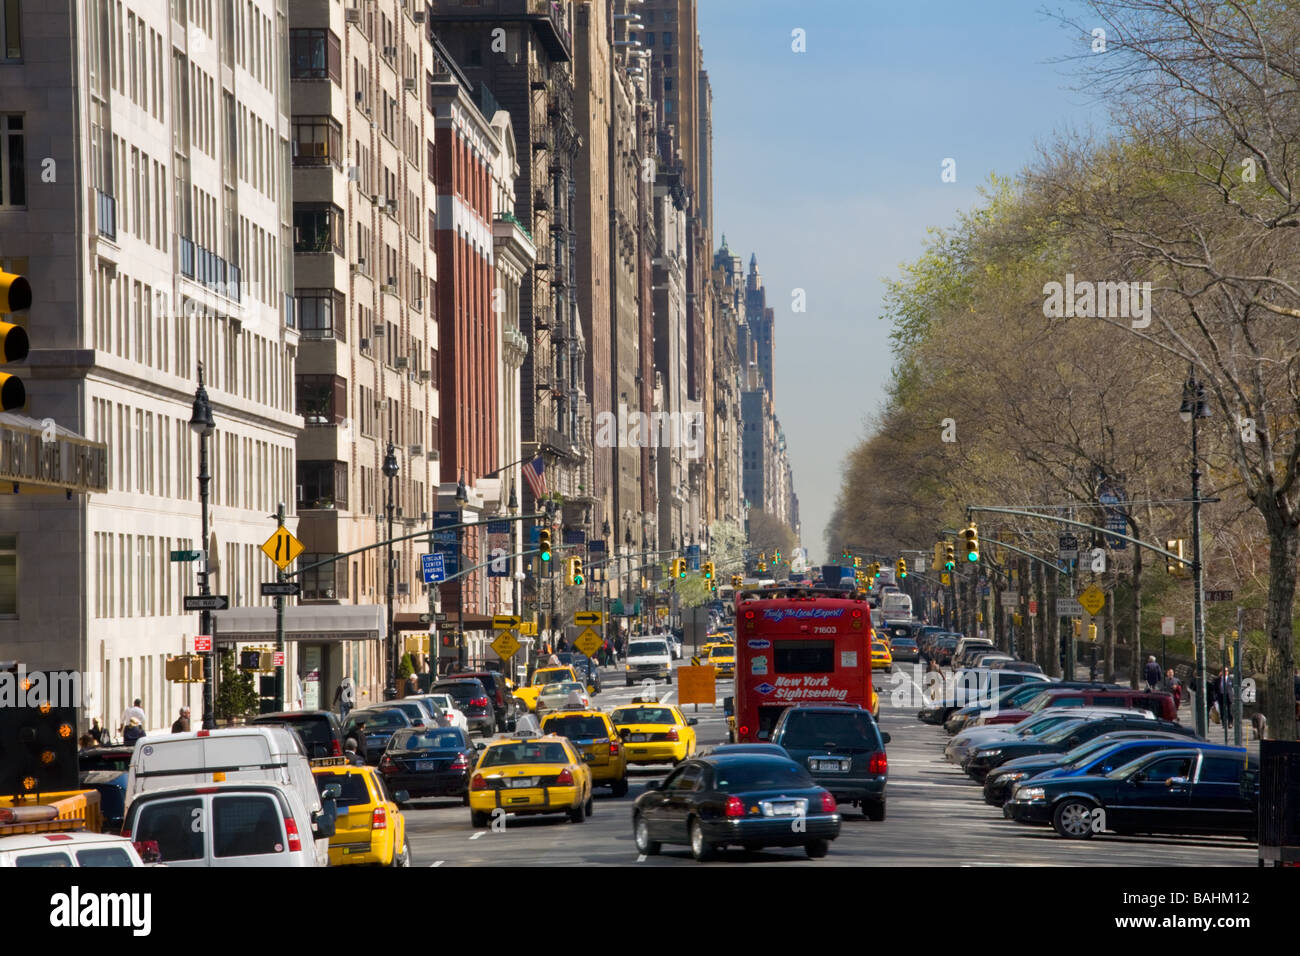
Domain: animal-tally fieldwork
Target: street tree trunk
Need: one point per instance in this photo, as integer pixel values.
(1278, 699)
(1109, 673)
(1040, 619)
(1052, 628)
(1135, 645)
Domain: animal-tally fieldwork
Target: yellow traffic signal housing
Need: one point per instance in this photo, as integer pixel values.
(707, 568)
(575, 571)
(737, 580)
(679, 568)
(15, 296)
(900, 569)
(544, 544)
(972, 538)
(1175, 568)
(950, 558)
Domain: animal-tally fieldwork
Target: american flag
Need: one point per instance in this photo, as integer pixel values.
(535, 477)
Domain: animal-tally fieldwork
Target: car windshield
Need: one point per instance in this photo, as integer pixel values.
(378, 722)
(527, 751)
(548, 676)
(463, 692)
(769, 773)
(428, 740)
(353, 785)
(1085, 751)
(565, 687)
(1057, 734)
(816, 729)
(647, 649)
(644, 715)
(723, 650)
(576, 728)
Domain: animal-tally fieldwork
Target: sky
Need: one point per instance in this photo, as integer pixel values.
(827, 164)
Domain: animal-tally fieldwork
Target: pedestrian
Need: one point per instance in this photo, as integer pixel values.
(1152, 673)
(562, 644)
(1174, 687)
(412, 685)
(1225, 697)
(345, 697)
(182, 723)
(97, 731)
(134, 711)
(133, 731)
(351, 752)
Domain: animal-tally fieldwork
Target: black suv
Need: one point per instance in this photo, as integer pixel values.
(503, 701)
(320, 730)
(842, 747)
(472, 700)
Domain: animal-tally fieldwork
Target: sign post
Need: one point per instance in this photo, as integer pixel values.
(282, 548)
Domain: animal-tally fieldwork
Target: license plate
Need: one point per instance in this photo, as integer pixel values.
(422, 766)
(638, 738)
(787, 809)
(523, 782)
(837, 766)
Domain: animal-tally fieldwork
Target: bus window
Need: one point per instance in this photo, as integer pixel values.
(804, 657)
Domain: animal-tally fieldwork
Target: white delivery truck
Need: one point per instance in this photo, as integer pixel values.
(896, 606)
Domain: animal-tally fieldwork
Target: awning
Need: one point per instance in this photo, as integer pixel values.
(311, 622)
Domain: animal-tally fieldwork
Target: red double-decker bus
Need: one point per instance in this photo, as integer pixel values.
(799, 645)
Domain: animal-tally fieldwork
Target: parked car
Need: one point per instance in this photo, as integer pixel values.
(320, 730)
(1160, 704)
(967, 688)
(842, 748)
(1190, 790)
(432, 762)
(972, 738)
(452, 716)
(419, 710)
(739, 799)
(381, 722)
(1026, 667)
(472, 699)
(1032, 684)
(984, 759)
(504, 705)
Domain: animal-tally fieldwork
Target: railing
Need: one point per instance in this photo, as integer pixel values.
(185, 250)
(209, 269)
(510, 218)
(106, 214)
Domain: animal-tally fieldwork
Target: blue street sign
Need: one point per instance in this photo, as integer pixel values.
(1115, 521)
(534, 536)
(433, 567)
(498, 527)
(596, 547)
(574, 536)
(440, 520)
(693, 556)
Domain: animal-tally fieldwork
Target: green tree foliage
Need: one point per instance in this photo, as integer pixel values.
(236, 697)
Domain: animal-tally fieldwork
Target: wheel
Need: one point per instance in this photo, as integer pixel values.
(629, 682)
(816, 849)
(577, 814)
(753, 847)
(641, 835)
(590, 805)
(1072, 819)
(402, 858)
(873, 809)
(669, 678)
(620, 787)
(464, 800)
(701, 848)
(478, 818)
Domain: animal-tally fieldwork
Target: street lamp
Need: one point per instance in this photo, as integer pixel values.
(462, 499)
(390, 472)
(201, 424)
(1195, 407)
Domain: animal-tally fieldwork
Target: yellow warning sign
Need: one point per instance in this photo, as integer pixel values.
(506, 645)
(282, 548)
(588, 642)
(1093, 599)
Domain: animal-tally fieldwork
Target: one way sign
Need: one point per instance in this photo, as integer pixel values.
(207, 602)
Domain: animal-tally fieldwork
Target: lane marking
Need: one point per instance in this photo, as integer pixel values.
(475, 836)
(436, 863)
(664, 699)
(641, 858)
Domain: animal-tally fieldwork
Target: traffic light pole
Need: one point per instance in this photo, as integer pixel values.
(279, 623)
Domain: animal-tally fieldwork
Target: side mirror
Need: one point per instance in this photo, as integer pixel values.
(323, 820)
(480, 746)
(1176, 782)
(692, 721)
(401, 796)
(885, 737)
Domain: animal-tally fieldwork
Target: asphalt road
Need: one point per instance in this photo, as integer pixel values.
(936, 817)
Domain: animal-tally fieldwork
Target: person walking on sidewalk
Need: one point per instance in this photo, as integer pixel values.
(1152, 673)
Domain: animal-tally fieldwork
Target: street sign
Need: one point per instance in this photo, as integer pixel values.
(203, 644)
(1033, 605)
(281, 588)
(1167, 626)
(574, 536)
(277, 659)
(433, 567)
(282, 548)
(944, 579)
(1068, 607)
(210, 602)
(596, 547)
(504, 622)
(506, 645)
(1218, 595)
(588, 618)
(498, 527)
(1093, 599)
(186, 555)
(1010, 597)
(697, 685)
(1068, 547)
(589, 642)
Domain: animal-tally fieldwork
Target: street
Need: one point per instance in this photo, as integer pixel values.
(936, 817)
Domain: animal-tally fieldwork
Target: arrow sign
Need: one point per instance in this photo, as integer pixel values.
(281, 589)
(185, 555)
(434, 567)
(504, 622)
(282, 548)
(587, 618)
(210, 602)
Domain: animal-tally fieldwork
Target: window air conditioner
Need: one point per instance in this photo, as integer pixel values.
(417, 450)
(409, 84)
(365, 345)
(401, 361)
(380, 330)
(418, 16)
(424, 375)
(354, 174)
(351, 15)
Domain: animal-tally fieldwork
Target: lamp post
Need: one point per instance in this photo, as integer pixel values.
(390, 472)
(462, 499)
(627, 595)
(1194, 407)
(201, 424)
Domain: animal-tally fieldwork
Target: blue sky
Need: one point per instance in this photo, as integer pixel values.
(826, 164)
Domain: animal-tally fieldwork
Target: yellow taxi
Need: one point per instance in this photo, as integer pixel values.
(369, 827)
(541, 677)
(653, 732)
(530, 773)
(881, 658)
(594, 736)
(723, 657)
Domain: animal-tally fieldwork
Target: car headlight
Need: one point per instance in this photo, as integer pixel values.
(987, 753)
(1031, 793)
(1013, 777)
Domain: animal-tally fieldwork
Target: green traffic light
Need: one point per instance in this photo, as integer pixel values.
(972, 556)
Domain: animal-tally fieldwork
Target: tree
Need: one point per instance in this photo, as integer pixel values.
(727, 547)
(768, 533)
(237, 698)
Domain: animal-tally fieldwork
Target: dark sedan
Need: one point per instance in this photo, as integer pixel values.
(748, 800)
(380, 723)
(429, 763)
(1100, 755)
(984, 759)
(472, 700)
(1023, 693)
(1169, 791)
(903, 648)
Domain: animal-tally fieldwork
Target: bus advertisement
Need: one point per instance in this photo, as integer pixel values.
(799, 645)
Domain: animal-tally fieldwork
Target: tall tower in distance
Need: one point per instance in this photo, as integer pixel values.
(761, 321)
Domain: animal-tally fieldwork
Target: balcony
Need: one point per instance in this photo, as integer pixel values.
(106, 214)
(208, 269)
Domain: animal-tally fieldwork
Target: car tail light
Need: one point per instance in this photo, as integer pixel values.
(337, 749)
(744, 731)
(735, 807)
(148, 850)
(565, 779)
(478, 783)
(386, 765)
(379, 819)
(479, 702)
(204, 733)
(879, 763)
(291, 828)
(613, 747)
(460, 763)
(672, 734)
(828, 802)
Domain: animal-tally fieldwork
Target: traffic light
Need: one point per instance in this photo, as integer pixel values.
(776, 556)
(15, 296)
(972, 538)
(707, 568)
(575, 571)
(900, 569)
(679, 568)
(949, 558)
(1092, 631)
(875, 569)
(447, 641)
(737, 580)
(544, 543)
(857, 562)
(1174, 568)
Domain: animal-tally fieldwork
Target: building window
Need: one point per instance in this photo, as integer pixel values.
(649, 39)
(668, 62)
(318, 140)
(325, 582)
(317, 228)
(321, 314)
(322, 399)
(668, 39)
(668, 84)
(315, 55)
(323, 484)
(8, 575)
(11, 30)
(13, 176)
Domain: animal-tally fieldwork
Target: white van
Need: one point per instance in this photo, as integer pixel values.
(231, 824)
(649, 657)
(896, 606)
